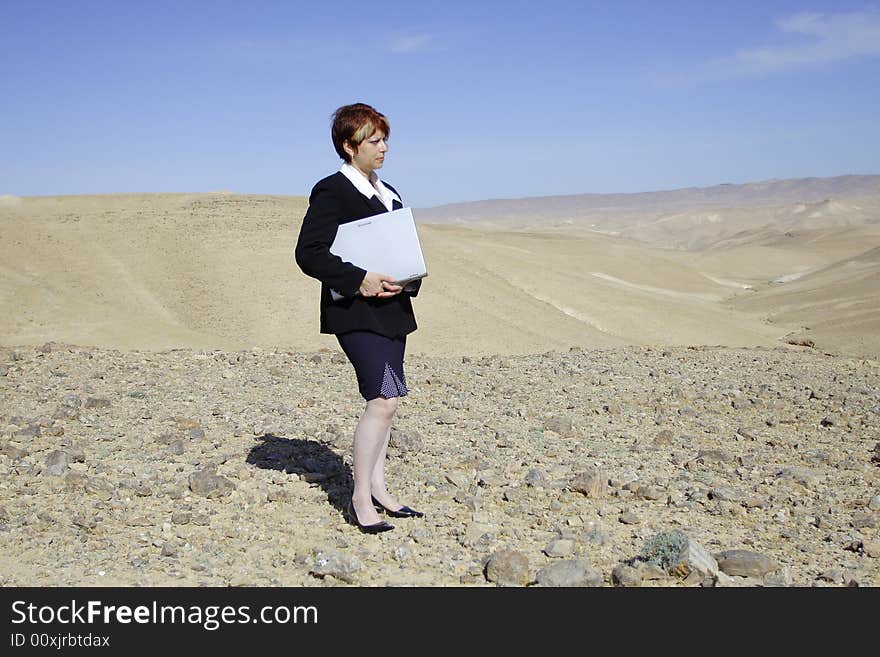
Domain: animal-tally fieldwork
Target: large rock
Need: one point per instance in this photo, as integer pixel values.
(570, 572)
(695, 559)
(508, 568)
(744, 563)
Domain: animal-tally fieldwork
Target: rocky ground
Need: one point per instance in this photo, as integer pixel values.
(617, 467)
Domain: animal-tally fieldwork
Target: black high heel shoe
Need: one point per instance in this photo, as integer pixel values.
(375, 528)
(402, 512)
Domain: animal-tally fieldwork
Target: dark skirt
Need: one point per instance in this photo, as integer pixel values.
(377, 362)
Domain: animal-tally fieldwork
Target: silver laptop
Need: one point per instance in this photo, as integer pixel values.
(387, 243)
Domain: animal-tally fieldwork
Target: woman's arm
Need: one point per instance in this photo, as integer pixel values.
(313, 245)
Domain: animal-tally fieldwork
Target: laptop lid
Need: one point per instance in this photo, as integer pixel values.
(386, 243)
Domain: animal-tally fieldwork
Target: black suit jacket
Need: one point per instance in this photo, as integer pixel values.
(335, 200)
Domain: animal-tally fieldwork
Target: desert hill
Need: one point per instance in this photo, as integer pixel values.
(216, 270)
(562, 207)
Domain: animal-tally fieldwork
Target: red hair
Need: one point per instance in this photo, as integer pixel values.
(353, 124)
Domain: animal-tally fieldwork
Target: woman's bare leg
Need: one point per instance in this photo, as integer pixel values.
(370, 444)
(377, 485)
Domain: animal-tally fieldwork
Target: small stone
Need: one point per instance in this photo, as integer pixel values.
(406, 442)
(71, 400)
(209, 484)
(447, 417)
(177, 448)
(75, 480)
(403, 552)
(143, 490)
(874, 504)
(65, 413)
(84, 521)
(535, 478)
(651, 572)
(833, 575)
(561, 425)
(694, 578)
(332, 563)
(459, 478)
(649, 492)
(508, 568)
(629, 518)
(559, 548)
(625, 576)
(97, 402)
(57, 463)
(169, 549)
(804, 476)
(871, 548)
(592, 482)
(196, 434)
(100, 487)
(779, 577)
(14, 453)
(863, 520)
(32, 430)
(714, 456)
(663, 438)
(186, 423)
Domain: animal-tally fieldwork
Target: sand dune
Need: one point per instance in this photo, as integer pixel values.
(216, 270)
(836, 304)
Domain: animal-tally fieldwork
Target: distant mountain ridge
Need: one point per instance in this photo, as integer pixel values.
(727, 195)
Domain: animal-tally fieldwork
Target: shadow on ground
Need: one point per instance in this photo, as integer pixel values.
(310, 461)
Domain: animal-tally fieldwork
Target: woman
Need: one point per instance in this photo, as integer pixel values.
(374, 315)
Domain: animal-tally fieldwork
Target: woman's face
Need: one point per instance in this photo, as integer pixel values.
(370, 154)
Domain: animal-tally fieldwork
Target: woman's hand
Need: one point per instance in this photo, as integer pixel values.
(378, 285)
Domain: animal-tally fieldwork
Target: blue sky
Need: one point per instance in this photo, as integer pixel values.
(486, 99)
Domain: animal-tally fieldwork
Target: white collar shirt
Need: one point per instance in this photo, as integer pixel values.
(373, 187)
